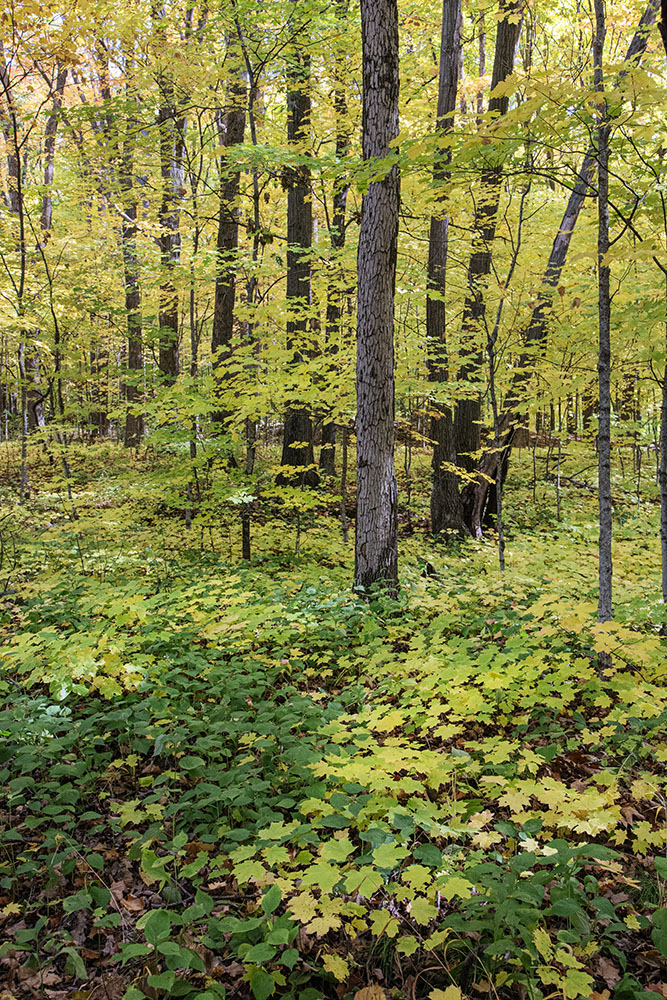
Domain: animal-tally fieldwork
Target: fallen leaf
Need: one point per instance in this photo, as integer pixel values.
(370, 993)
(132, 903)
(608, 971)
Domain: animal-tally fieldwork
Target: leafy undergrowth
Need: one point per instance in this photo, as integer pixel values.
(242, 781)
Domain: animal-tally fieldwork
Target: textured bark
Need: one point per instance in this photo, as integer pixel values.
(297, 453)
(475, 495)
(605, 610)
(35, 396)
(467, 420)
(171, 128)
(9, 125)
(328, 449)
(446, 511)
(231, 133)
(376, 543)
(134, 422)
(335, 294)
(46, 215)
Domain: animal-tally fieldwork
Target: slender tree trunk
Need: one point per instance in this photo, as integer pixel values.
(297, 455)
(605, 610)
(446, 511)
(467, 421)
(475, 494)
(481, 68)
(134, 421)
(376, 544)
(171, 128)
(24, 488)
(335, 293)
(231, 132)
(46, 215)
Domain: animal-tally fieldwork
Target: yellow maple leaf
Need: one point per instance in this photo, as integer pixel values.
(322, 925)
(303, 907)
(337, 966)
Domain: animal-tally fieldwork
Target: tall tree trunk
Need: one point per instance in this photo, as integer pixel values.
(475, 494)
(605, 610)
(376, 544)
(171, 128)
(134, 421)
(231, 132)
(467, 421)
(24, 487)
(335, 294)
(662, 475)
(446, 511)
(297, 454)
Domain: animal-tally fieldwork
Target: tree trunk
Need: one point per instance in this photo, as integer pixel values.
(297, 455)
(605, 611)
(376, 544)
(335, 293)
(446, 511)
(467, 420)
(475, 495)
(134, 421)
(24, 487)
(172, 146)
(231, 131)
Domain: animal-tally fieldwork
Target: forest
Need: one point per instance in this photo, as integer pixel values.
(333, 500)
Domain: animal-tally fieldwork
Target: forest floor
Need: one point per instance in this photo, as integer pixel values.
(240, 780)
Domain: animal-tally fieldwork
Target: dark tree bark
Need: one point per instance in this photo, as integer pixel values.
(231, 131)
(475, 495)
(171, 126)
(297, 454)
(335, 294)
(446, 511)
(134, 421)
(46, 215)
(376, 544)
(467, 421)
(605, 610)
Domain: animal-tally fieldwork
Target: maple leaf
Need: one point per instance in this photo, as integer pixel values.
(322, 925)
(422, 911)
(337, 966)
(303, 907)
(323, 876)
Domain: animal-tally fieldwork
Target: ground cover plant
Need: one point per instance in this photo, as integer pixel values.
(224, 779)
